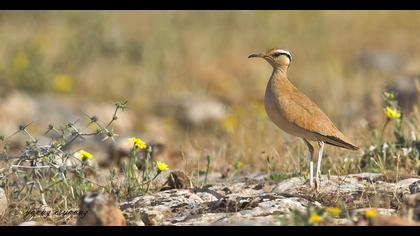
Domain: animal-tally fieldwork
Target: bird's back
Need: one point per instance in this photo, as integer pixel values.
(296, 114)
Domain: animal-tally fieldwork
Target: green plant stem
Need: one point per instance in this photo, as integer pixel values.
(383, 129)
(207, 168)
(150, 181)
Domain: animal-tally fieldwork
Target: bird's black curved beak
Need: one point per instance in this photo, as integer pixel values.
(256, 55)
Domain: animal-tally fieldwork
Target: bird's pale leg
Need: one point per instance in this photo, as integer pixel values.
(311, 163)
(318, 165)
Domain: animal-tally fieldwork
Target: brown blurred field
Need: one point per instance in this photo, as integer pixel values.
(158, 60)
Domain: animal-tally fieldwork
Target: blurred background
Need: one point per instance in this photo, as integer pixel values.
(191, 88)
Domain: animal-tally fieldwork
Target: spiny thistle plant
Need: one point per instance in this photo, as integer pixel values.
(50, 173)
(55, 175)
(402, 152)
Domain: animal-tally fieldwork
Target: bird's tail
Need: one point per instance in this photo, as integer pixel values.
(340, 143)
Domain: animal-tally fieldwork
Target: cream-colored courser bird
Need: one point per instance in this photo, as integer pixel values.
(296, 114)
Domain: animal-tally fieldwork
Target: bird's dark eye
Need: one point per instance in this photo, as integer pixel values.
(277, 54)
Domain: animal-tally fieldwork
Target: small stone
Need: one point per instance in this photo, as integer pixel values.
(411, 207)
(403, 186)
(179, 180)
(138, 223)
(199, 110)
(407, 94)
(99, 210)
(414, 187)
(380, 60)
(259, 186)
(152, 217)
(3, 202)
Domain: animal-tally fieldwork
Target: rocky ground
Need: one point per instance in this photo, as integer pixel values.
(256, 200)
(253, 200)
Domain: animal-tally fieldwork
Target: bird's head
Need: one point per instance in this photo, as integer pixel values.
(276, 57)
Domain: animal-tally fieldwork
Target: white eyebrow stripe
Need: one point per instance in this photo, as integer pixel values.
(284, 51)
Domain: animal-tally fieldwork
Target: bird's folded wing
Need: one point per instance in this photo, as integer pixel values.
(302, 112)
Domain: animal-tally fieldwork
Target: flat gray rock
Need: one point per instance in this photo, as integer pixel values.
(258, 201)
(3, 202)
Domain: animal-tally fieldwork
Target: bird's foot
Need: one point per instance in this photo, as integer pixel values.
(317, 185)
(311, 183)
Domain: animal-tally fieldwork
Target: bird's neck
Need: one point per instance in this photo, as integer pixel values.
(279, 73)
(282, 68)
(278, 81)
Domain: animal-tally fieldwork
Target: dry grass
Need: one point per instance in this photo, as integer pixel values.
(153, 58)
(165, 55)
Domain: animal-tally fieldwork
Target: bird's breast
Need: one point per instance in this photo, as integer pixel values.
(276, 109)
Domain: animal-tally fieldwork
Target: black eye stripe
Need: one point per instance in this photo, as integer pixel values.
(276, 54)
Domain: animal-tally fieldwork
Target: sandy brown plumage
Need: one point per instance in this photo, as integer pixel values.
(303, 113)
(293, 112)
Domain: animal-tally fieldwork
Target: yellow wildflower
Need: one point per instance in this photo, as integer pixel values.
(62, 83)
(392, 113)
(84, 156)
(161, 166)
(314, 218)
(138, 143)
(371, 213)
(20, 61)
(229, 123)
(333, 211)
(239, 165)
